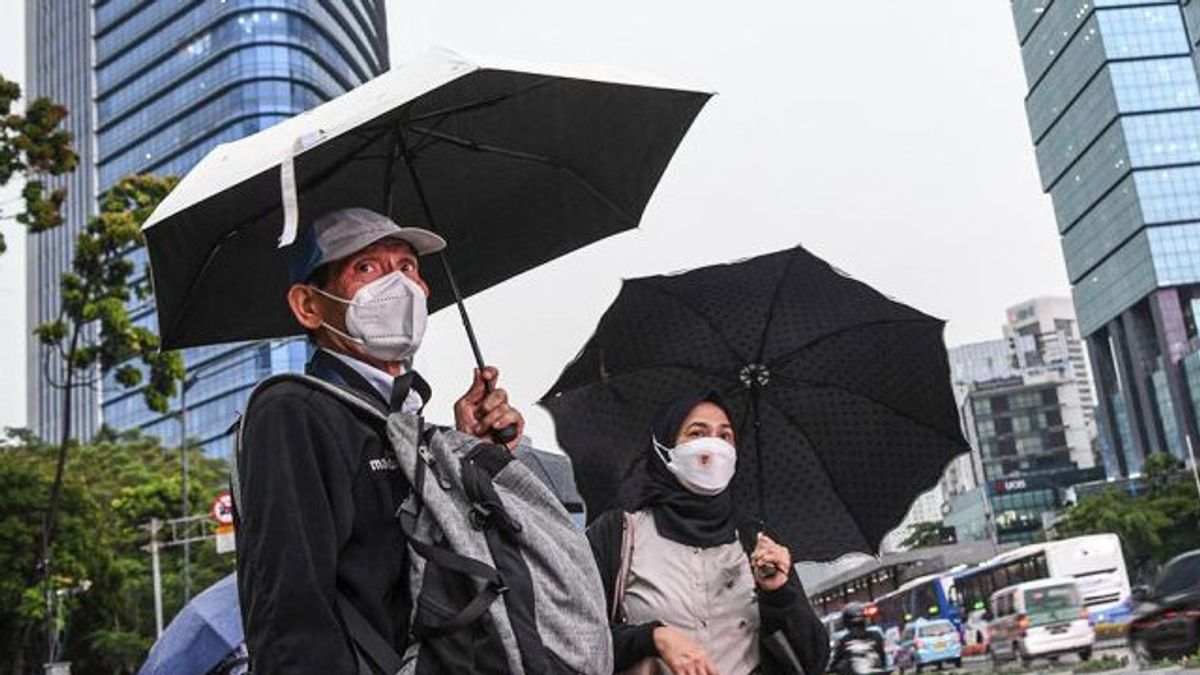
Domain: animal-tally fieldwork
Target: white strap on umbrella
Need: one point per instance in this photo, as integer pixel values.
(287, 186)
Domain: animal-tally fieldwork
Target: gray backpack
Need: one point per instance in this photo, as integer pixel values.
(502, 581)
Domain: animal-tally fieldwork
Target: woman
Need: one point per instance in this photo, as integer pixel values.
(690, 593)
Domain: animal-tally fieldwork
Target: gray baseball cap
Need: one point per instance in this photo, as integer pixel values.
(340, 233)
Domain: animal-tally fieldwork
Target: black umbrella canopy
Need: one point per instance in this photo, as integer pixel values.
(518, 168)
(841, 396)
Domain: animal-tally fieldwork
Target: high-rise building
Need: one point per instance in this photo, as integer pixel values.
(1114, 112)
(57, 65)
(1043, 332)
(1027, 409)
(163, 83)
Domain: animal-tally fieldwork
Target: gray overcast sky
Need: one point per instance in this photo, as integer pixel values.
(888, 137)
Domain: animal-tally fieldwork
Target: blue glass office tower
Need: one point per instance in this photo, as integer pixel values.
(1114, 111)
(171, 79)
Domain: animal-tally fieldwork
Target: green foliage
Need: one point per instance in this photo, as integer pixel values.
(923, 535)
(33, 144)
(1153, 527)
(93, 333)
(114, 485)
(99, 287)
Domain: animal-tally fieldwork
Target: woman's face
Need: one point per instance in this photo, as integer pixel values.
(706, 419)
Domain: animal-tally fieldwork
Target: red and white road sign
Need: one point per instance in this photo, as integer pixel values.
(222, 509)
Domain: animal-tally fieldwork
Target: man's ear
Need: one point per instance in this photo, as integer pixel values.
(303, 301)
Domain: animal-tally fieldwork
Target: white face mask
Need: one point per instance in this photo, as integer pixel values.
(387, 317)
(703, 465)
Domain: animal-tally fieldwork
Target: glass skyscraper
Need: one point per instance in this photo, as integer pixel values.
(170, 80)
(57, 64)
(1114, 112)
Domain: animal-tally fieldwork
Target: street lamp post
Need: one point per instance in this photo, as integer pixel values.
(185, 507)
(156, 572)
(191, 377)
(1192, 459)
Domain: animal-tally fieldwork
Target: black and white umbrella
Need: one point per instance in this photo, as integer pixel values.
(513, 165)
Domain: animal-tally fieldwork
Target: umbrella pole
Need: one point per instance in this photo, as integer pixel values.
(507, 434)
(767, 570)
(755, 394)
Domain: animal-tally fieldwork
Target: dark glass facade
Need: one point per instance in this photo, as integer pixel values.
(57, 61)
(171, 80)
(1114, 113)
(1020, 428)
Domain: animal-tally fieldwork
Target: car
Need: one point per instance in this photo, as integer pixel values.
(1044, 618)
(1166, 617)
(926, 643)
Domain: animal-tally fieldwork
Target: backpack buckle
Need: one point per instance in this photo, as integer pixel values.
(480, 516)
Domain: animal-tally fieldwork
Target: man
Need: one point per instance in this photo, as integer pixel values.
(319, 482)
(860, 650)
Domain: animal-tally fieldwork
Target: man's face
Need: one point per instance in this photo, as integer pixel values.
(343, 280)
(377, 260)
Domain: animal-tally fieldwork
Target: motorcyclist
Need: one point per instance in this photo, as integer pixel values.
(859, 651)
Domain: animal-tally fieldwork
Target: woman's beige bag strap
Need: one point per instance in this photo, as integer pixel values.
(618, 614)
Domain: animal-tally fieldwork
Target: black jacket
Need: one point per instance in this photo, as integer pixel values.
(319, 490)
(785, 611)
(855, 641)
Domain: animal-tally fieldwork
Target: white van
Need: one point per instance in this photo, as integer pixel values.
(1039, 618)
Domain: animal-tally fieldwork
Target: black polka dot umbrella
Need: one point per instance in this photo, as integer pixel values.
(841, 397)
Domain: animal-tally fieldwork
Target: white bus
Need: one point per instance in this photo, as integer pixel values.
(1093, 561)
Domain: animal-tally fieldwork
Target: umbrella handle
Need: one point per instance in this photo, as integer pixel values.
(507, 434)
(766, 571)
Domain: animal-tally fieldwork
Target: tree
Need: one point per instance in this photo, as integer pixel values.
(93, 334)
(114, 485)
(34, 145)
(1154, 526)
(923, 535)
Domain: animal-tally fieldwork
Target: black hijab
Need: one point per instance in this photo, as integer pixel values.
(679, 514)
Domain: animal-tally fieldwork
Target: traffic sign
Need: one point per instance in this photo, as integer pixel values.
(222, 509)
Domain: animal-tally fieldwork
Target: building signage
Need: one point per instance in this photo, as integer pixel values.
(1011, 485)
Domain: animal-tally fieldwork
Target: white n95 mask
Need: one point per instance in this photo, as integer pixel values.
(387, 317)
(703, 466)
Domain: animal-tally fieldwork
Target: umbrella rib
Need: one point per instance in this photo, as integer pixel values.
(215, 248)
(866, 324)
(799, 383)
(616, 376)
(679, 301)
(862, 533)
(762, 344)
(442, 114)
(468, 144)
(483, 102)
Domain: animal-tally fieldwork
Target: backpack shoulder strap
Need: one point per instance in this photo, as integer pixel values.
(368, 640)
(623, 571)
(352, 400)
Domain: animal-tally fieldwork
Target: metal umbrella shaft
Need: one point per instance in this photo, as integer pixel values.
(507, 434)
